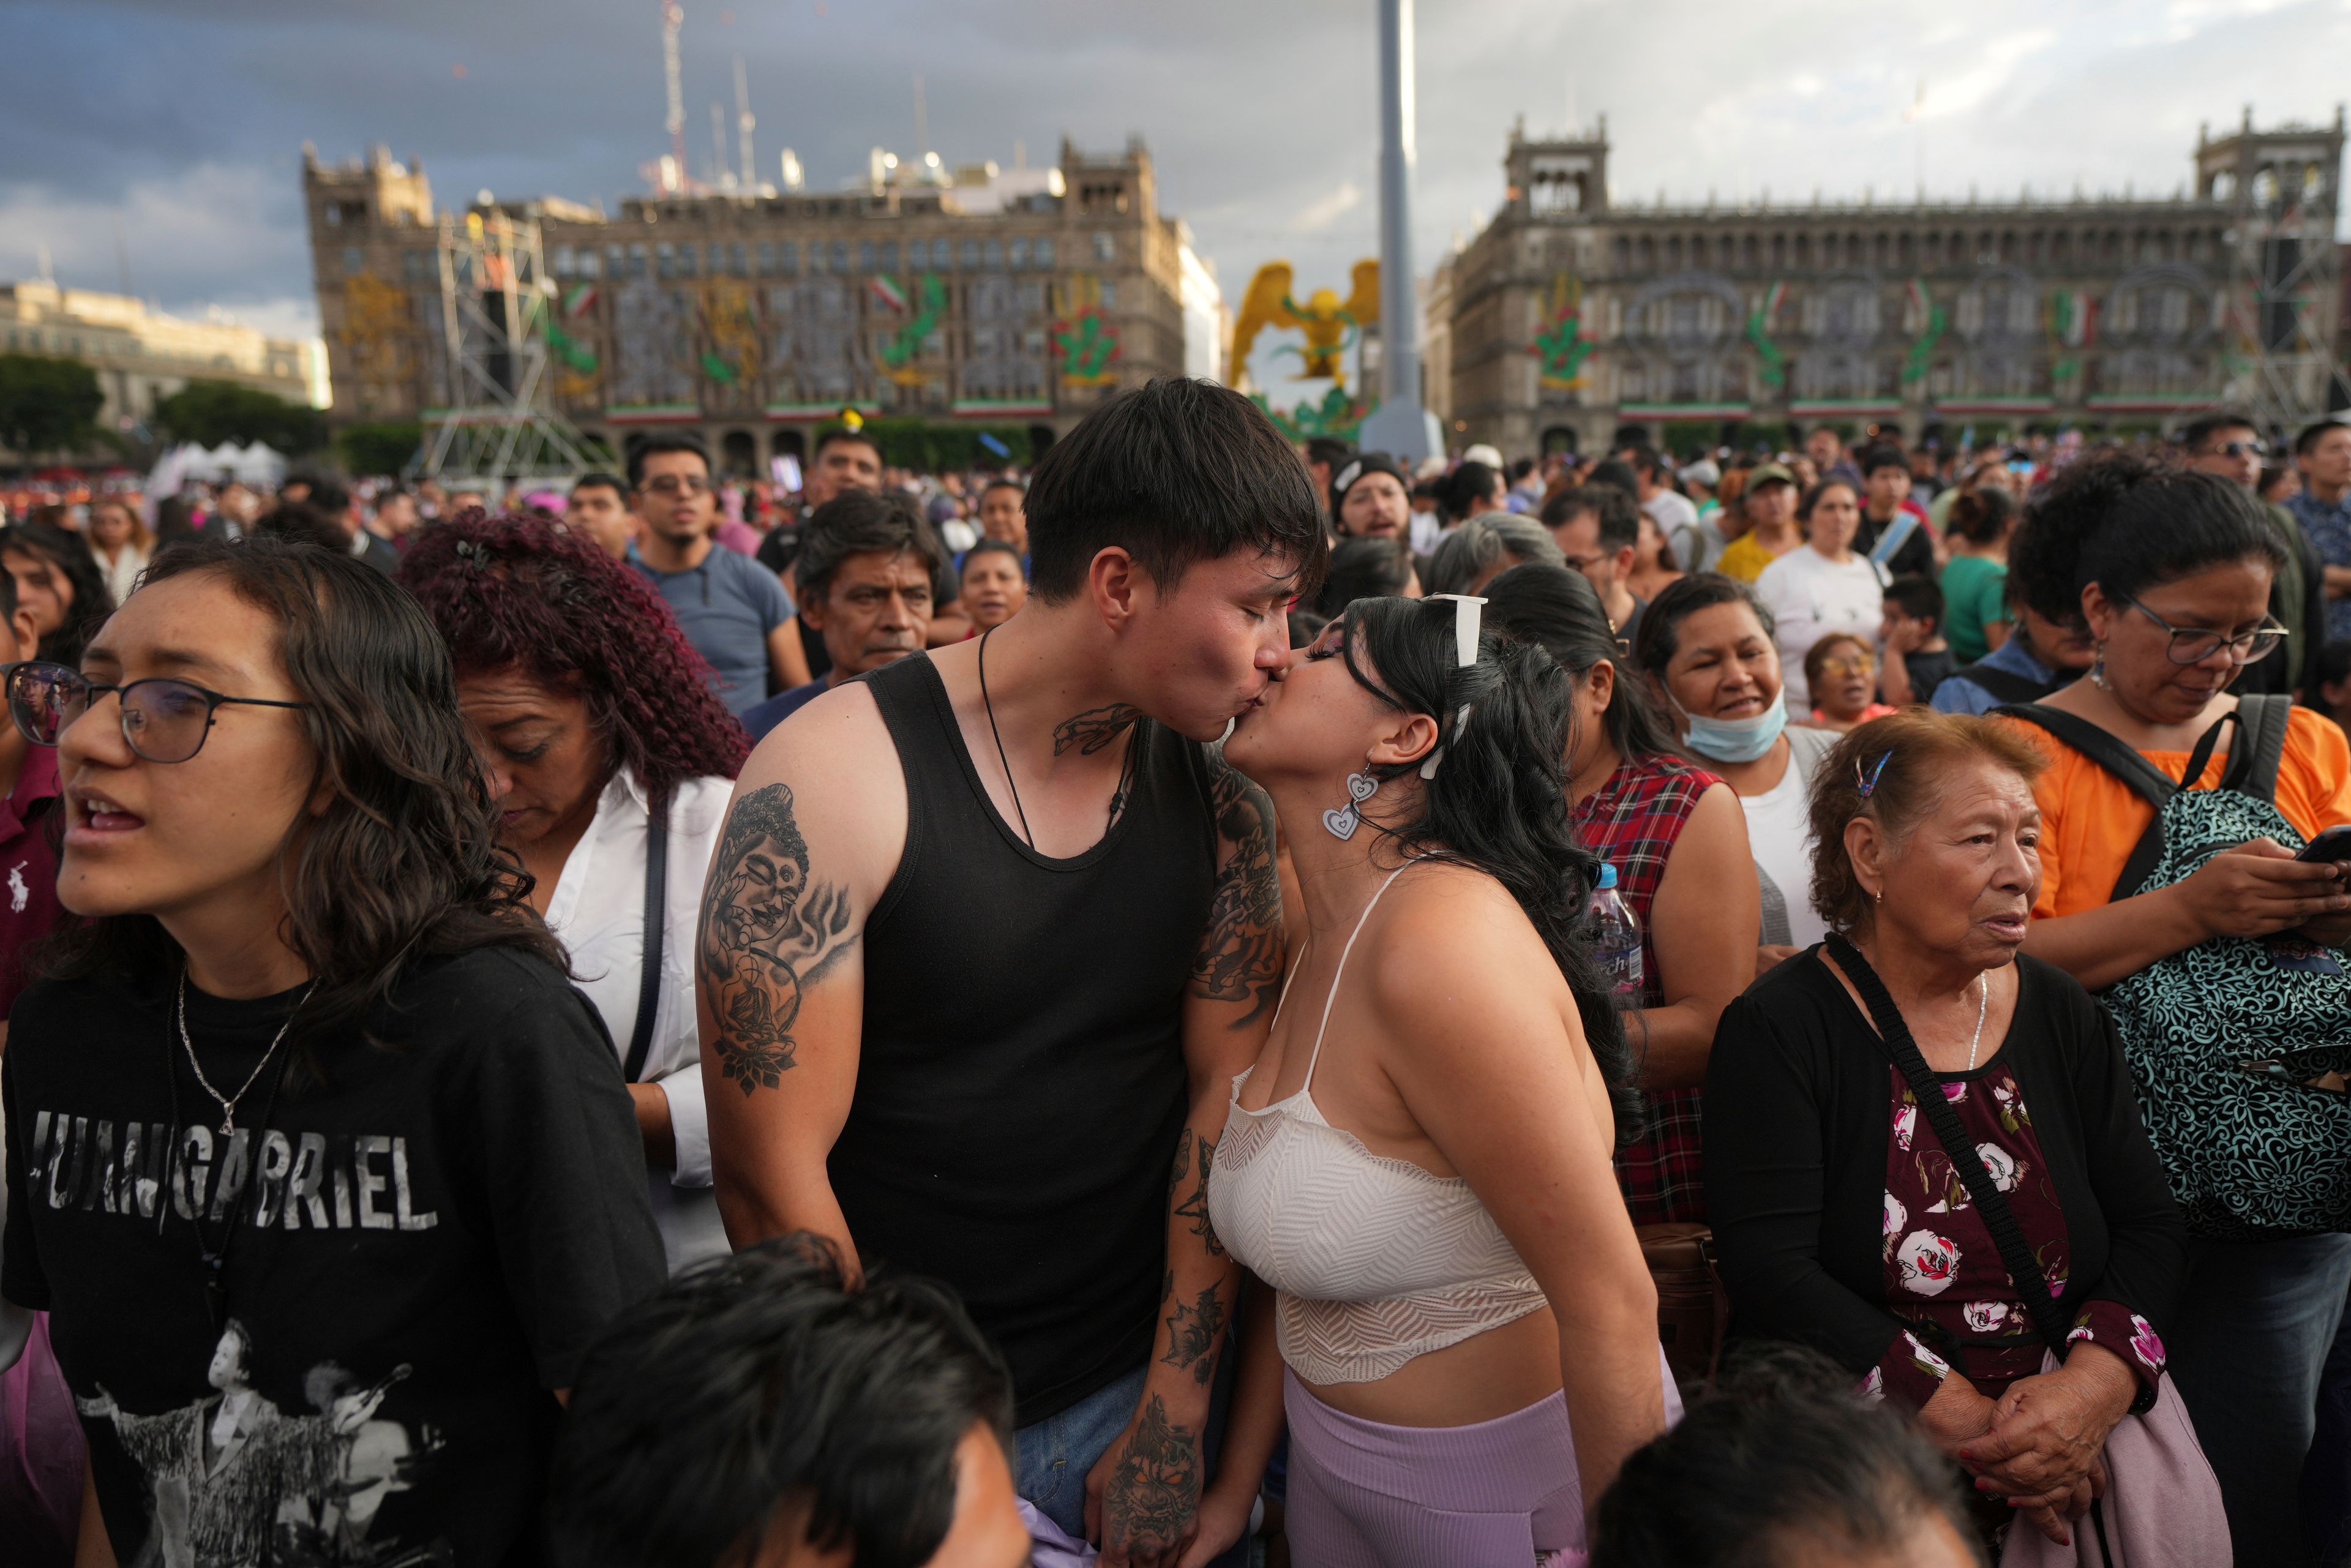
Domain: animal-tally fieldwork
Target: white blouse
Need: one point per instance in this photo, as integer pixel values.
(597, 913)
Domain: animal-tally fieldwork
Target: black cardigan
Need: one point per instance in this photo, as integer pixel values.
(1797, 1116)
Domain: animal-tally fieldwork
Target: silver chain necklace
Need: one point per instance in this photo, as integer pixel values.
(1983, 1002)
(228, 1102)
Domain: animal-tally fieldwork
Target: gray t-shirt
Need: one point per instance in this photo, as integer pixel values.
(726, 606)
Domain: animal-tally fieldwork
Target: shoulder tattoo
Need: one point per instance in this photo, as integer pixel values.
(1239, 959)
(769, 928)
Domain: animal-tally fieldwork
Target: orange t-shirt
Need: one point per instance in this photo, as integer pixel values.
(2091, 821)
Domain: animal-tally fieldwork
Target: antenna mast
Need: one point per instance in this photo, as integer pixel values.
(673, 18)
(743, 120)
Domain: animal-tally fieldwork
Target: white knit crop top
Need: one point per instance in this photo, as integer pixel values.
(1375, 1260)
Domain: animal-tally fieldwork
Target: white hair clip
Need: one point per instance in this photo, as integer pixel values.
(1468, 618)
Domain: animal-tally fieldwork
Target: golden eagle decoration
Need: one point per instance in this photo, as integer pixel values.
(1330, 326)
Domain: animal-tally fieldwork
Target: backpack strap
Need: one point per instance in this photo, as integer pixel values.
(2005, 686)
(2144, 778)
(641, 1037)
(2262, 723)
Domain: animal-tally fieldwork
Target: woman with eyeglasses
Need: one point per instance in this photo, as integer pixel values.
(2171, 570)
(319, 1165)
(599, 736)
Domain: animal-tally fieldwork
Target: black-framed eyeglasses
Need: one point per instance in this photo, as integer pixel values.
(2194, 644)
(163, 720)
(2240, 448)
(677, 484)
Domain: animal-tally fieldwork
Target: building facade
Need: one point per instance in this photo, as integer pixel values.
(143, 356)
(1006, 295)
(1571, 315)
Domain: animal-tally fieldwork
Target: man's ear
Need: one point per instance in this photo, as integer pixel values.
(1112, 580)
(812, 613)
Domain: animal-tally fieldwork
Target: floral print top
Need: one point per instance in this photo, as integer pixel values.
(1943, 1272)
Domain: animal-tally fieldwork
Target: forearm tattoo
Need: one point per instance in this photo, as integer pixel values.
(1094, 728)
(1193, 1207)
(769, 930)
(1153, 1493)
(1192, 1332)
(1240, 960)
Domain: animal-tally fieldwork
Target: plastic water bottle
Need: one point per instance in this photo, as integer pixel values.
(1616, 940)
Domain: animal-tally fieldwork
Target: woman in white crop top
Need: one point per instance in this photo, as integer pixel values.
(1418, 1163)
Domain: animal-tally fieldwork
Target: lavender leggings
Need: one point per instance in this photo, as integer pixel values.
(1496, 1494)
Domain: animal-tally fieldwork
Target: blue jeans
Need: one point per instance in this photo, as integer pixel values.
(1054, 1457)
(2248, 1345)
(2326, 1478)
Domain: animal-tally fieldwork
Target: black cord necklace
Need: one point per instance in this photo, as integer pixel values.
(215, 1257)
(1006, 762)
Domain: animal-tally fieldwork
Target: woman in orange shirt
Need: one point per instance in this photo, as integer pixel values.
(2172, 570)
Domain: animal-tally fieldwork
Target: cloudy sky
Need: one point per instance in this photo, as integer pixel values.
(165, 134)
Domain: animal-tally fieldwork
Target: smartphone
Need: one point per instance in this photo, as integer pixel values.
(2334, 844)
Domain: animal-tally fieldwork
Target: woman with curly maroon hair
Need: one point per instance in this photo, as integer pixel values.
(613, 765)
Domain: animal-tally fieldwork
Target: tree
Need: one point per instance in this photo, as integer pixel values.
(379, 446)
(48, 404)
(209, 413)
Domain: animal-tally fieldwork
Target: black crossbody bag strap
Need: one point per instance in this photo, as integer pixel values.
(2016, 1252)
(641, 1039)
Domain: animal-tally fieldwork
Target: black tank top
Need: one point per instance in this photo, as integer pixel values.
(1021, 1080)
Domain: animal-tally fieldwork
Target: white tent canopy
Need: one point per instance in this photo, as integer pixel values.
(256, 465)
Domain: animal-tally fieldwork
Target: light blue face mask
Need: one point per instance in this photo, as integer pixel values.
(1738, 740)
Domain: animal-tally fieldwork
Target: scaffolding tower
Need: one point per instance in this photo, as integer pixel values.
(2282, 187)
(497, 425)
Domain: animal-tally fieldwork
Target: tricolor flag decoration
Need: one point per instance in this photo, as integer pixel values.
(1772, 367)
(582, 295)
(2074, 318)
(885, 288)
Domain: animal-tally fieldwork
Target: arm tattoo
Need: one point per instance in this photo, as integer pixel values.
(1193, 1332)
(768, 931)
(1239, 959)
(1194, 1205)
(1094, 728)
(1153, 1494)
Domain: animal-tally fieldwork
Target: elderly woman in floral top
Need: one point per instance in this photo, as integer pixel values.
(1840, 1220)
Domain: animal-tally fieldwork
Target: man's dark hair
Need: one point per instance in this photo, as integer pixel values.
(841, 432)
(2311, 434)
(1917, 597)
(653, 445)
(1521, 468)
(1885, 455)
(857, 522)
(326, 495)
(1175, 472)
(1365, 568)
(600, 480)
(1461, 492)
(758, 1392)
(1328, 449)
(306, 522)
(985, 547)
(2200, 430)
(1785, 1464)
(1620, 518)
(1004, 482)
(1617, 472)
(1648, 460)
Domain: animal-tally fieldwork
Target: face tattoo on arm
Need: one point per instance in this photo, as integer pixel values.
(769, 930)
(1241, 959)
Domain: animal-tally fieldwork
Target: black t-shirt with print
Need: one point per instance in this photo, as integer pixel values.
(422, 1245)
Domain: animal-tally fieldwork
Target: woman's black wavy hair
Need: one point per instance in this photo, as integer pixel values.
(405, 863)
(1499, 802)
(70, 555)
(1561, 610)
(2130, 521)
(1365, 568)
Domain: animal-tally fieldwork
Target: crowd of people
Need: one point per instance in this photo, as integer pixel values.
(983, 1019)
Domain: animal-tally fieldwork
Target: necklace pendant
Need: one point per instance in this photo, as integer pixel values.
(228, 1123)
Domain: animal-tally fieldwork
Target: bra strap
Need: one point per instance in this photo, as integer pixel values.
(1336, 973)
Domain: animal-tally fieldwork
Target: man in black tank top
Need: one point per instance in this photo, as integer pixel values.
(990, 931)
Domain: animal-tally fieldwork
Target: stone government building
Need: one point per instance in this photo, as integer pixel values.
(1571, 315)
(1006, 295)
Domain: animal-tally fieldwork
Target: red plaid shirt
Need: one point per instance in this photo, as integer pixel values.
(1632, 822)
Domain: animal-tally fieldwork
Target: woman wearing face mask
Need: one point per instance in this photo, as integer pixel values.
(598, 731)
(310, 1066)
(1707, 642)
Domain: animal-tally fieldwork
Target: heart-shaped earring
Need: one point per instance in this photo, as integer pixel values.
(1362, 786)
(1341, 824)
